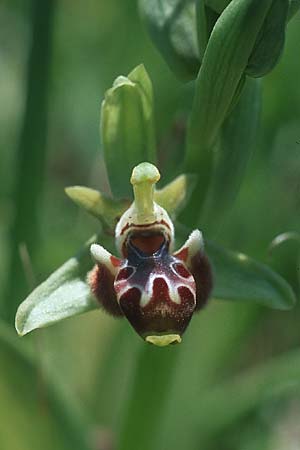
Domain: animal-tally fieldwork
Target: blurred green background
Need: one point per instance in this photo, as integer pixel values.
(234, 382)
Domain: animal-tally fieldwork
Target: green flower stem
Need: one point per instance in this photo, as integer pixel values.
(107, 389)
(225, 60)
(148, 397)
(30, 154)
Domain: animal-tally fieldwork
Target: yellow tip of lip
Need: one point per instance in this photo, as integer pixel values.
(163, 341)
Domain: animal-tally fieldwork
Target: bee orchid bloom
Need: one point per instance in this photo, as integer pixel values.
(155, 288)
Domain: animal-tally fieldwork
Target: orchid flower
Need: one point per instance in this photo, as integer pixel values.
(156, 288)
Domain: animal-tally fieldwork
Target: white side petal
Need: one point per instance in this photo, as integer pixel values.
(194, 244)
(102, 256)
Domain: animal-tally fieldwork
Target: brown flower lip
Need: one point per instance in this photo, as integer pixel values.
(156, 291)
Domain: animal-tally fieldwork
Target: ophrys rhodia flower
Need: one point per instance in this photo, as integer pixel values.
(157, 289)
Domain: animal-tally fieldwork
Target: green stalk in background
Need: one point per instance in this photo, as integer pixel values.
(30, 157)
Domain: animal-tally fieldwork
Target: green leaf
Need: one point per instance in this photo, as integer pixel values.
(293, 8)
(240, 278)
(206, 19)
(64, 294)
(225, 59)
(172, 27)
(127, 128)
(217, 5)
(284, 251)
(270, 41)
(237, 139)
(283, 238)
(28, 178)
(103, 208)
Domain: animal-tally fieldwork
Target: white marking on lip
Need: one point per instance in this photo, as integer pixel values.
(124, 280)
(148, 293)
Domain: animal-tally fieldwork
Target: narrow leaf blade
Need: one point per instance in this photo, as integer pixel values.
(241, 278)
(267, 49)
(237, 139)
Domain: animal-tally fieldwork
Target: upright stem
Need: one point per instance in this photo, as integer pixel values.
(148, 397)
(30, 159)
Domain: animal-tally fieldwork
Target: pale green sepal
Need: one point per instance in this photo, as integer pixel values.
(140, 76)
(64, 294)
(175, 195)
(107, 210)
(240, 278)
(127, 128)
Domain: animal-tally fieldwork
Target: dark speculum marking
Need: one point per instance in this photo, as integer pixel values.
(101, 282)
(157, 298)
(131, 297)
(185, 294)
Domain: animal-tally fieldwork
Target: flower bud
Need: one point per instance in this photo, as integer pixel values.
(127, 128)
